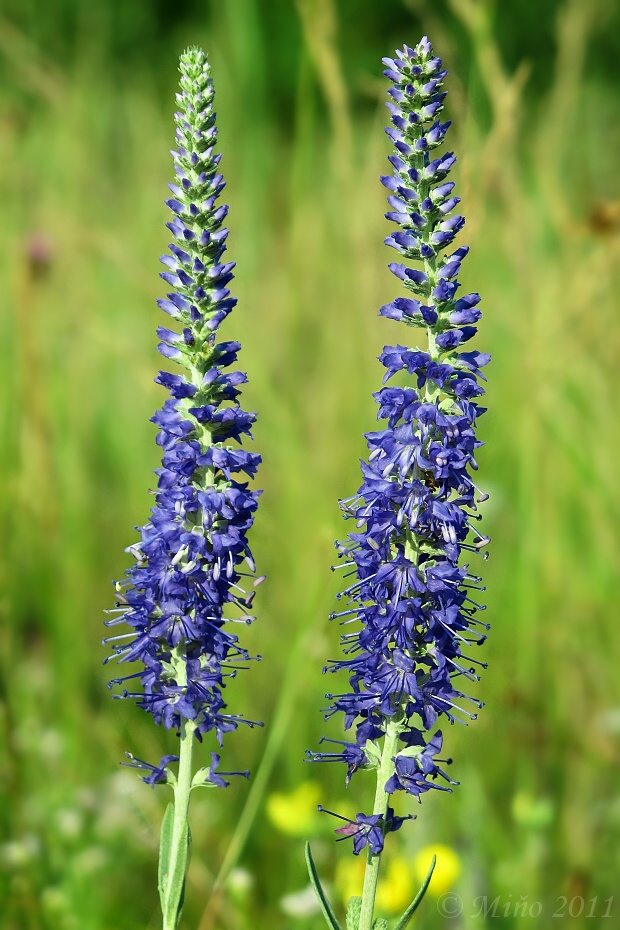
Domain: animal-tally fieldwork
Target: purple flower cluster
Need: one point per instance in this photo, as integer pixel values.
(412, 602)
(186, 586)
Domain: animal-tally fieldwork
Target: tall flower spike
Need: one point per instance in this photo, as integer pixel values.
(187, 586)
(412, 597)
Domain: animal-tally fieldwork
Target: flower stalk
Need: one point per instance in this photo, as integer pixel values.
(382, 801)
(411, 616)
(193, 577)
(173, 856)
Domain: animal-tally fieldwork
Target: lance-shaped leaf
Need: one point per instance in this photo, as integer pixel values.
(326, 907)
(353, 913)
(174, 879)
(404, 920)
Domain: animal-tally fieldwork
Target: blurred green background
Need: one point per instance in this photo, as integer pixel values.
(86, 102)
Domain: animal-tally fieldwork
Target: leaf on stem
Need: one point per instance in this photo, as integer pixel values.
(326, 907)
(172, 869)
(404, 920)
(164, 853)
(354, 910)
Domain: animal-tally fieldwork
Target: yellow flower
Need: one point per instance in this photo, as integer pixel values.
(400, 879)
(349, 877)
(294, 813)
(447, 868)
(395, 889)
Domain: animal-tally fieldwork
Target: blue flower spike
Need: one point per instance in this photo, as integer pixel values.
(192, 582)
(412, 615)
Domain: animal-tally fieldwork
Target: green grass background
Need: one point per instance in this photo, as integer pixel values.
(86, 101)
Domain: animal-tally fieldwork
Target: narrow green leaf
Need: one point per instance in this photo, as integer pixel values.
(404, 920)
(354, 910)
(164, 853)
(326, 907)
(189, 851)
(175, 889)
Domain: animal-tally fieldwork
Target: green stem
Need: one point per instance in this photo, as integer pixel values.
(371, 876)
(179, 841)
